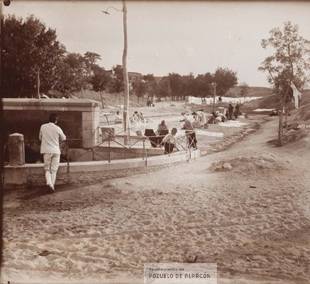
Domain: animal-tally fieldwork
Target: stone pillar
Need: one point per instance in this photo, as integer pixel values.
(16, 149)
(90, 127)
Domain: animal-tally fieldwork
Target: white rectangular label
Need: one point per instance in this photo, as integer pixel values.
(180, 273)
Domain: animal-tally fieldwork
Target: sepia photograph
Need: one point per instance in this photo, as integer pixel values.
(163, 142)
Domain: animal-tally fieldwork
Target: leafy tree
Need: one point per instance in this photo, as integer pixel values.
(72, 74)
(224, 79)
(30, 52)
(100, 79)
(139, 88)
(91, 58)
(176, 85)
(117, 82)
(203, 86)
(151, 84)
(289, 63)
(164, 88)
(189, 85)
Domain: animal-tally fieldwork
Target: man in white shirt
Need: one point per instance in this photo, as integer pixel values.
(50, 136)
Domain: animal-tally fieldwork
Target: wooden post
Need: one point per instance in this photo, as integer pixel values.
(125, 76)
(102, 100)
(282, 112)
(145, 152)
(109, 146)
(280, 130)
(67, 156)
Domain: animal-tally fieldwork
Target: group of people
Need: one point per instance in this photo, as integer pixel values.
(200, 119)
(51, 135)
(150, 103)
(137, 121)
(162, 136)
(233, 111)
(156, 138)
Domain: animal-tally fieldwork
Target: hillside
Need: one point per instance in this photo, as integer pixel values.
(252, 92)
(272, 101)
(303, 114)
(109, 99)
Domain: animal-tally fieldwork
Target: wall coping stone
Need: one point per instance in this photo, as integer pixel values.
(49, 104)
(86, 166)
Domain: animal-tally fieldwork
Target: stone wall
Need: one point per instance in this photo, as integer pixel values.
(78, 118)
(88, 172)
(112, 153)
(28, 123)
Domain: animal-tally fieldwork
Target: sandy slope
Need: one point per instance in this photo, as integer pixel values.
(253, 220)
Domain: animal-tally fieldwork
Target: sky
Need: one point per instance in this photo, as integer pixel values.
(171, 36)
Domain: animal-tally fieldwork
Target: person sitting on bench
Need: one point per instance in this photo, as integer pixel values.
(152, 137)
(169, 141)
(162, 131)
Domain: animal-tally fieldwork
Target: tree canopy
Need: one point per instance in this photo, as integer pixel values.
(28, 48)
(34, 62)
(290, 58)
(289, 63)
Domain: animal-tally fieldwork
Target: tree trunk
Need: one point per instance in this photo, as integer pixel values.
(280, 130)
(38, 84)
(286, 115)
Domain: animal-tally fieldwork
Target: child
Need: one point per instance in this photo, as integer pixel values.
(169, 141)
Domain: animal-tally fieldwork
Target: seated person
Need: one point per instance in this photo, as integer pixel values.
(162, 130)
(212, 119)
(203, 119)
(135, 117)
(169, 141)
(141, 117)
(152, 137)
(118, 118)
(199, 119)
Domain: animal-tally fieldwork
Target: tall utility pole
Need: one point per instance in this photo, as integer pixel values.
(126, 81)
(125, 73)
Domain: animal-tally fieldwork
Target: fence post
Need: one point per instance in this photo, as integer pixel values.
(109, 144)
(189, 145)
(67, 157)
(16, 149)
(145, 152)
(92, 154)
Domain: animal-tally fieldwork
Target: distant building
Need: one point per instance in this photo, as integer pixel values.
(134, 76)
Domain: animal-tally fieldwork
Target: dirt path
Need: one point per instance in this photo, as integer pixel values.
(252, 220)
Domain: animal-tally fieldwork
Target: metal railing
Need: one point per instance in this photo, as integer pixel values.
(182, 143)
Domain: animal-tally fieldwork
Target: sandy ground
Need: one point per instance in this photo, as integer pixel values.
(252, 220)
